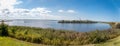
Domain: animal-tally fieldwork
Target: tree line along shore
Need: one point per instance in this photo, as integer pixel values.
(77, 21)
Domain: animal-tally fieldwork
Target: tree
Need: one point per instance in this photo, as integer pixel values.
(3, 29)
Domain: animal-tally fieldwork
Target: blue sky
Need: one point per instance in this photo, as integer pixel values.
(99, 10)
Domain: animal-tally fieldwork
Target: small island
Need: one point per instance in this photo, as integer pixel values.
(77, 21)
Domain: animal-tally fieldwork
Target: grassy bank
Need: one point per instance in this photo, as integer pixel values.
(112, 42)
(60, 37)
(7, 41)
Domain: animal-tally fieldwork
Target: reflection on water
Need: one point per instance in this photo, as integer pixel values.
(55, 25)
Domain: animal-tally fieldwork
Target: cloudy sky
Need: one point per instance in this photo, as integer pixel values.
(100, 10)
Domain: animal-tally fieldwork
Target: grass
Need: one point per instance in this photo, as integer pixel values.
(112, 42)
(60, 37)
(7, 41)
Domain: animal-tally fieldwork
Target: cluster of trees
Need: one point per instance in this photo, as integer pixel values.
(76, 21)
(57, 37)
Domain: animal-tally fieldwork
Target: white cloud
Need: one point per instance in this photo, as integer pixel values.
(8, 11)
(20, 13)
(66, 11)
(8, 4)
(60, 10)
(35, 13)
(71, 11)
(41, 10)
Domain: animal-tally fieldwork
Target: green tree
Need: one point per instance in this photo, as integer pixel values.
(3, 29)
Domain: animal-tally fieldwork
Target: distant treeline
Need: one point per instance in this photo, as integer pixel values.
(77, 21)
(57, 37)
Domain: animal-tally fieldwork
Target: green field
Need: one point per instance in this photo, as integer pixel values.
(7, 41)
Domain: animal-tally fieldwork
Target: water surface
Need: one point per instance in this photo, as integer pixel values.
(54, 24)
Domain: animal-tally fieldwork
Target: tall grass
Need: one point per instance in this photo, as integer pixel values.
(61, 37)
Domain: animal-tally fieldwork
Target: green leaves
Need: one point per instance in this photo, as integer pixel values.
(3, 29)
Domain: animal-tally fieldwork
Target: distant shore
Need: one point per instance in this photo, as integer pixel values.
(6, 20)
(77, 21)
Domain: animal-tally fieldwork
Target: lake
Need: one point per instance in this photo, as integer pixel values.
(55, 25)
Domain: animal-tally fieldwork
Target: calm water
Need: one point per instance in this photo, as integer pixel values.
(55, 25)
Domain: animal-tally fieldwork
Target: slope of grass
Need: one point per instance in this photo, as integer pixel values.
(7, 41)
(112, 42)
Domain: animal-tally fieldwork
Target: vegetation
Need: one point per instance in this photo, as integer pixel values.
(112, 42)
(7, 41)
(58, 37)
(3, 29)
(76, 21)
(117, 26)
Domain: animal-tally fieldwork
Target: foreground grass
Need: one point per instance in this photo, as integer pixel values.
(7, 41)
(112, 42)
